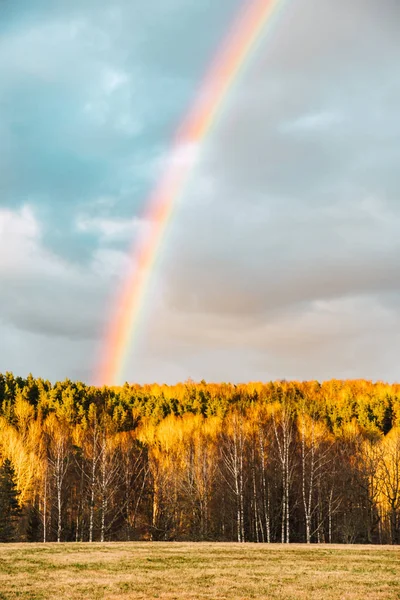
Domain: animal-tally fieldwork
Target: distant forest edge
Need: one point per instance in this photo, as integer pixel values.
(260, 462)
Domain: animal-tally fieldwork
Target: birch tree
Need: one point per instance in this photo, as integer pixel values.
(388, 475)
(233, 448)
(58, 459)
(284, 433)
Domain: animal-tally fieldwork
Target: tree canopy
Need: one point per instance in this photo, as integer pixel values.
(276, 461)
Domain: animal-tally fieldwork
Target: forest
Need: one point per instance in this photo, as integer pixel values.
(258, 462)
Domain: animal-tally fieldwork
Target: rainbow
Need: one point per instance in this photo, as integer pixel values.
(235, 52)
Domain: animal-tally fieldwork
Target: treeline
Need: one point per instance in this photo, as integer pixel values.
(275, 462)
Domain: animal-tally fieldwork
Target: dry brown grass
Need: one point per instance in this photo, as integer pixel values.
(198, 571)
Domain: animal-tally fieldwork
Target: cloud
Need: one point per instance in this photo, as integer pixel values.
(283, 255)
(317, 122)
(109, 229)
(44, 294)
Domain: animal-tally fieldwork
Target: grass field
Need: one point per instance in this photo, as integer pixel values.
(197, 571)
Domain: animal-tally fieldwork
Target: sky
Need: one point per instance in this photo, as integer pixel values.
(282, 260)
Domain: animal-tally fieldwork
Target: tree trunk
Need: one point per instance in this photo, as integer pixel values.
(255, 503)
(45, 510)
(59, 497)
(92, 492)
(265, 489)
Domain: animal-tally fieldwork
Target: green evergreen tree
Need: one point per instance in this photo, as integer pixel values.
(10, 510)
(33, 530)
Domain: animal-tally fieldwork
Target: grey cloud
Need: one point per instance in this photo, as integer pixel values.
(46, 356)
(44, 295)
(296, 203)
(283, 257)
(354, 337)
